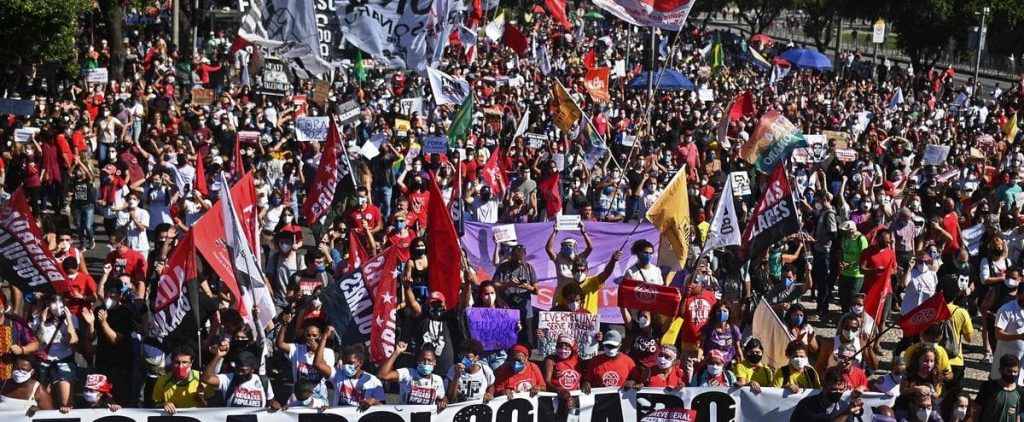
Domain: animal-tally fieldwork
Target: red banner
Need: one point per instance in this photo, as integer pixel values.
(382, 332)
(635, 294)
(443, 251)
(333, 166)
(557, 10)
(494, 172)
(551, 189)
(924, 315)
(25, 260)
(597, 83)
(181, 267)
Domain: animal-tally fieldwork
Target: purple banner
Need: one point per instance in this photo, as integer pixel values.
(607, 237)
(494, 327)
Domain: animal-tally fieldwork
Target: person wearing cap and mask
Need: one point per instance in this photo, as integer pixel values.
(518, 374)
(851, 245)
(565, 256)
(855, 377)
(919, 409)
(563, 369)
(1000, 399)
(431, 327)
(97, 393)
(921, 282)
(612, 368)
(827, 405)
(180, 387)
(241, 387)
(1009, 324)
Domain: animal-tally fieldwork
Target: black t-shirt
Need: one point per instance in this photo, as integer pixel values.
(813, 409)
(950, 274)
(82, 194)
(110, 355)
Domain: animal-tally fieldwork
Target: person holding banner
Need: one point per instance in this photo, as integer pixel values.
(518, 374)
(22, 392)
(827, 404)
(419, 385)
(563, 370)
(241, 387)
(470, 378)
(611, 369)
(752, 371)
(352, 385)
(668, 373)
(798, 374)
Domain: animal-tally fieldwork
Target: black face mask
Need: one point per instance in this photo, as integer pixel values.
(834, 396)
(436, 312)
(755, 359)
(1010, 377)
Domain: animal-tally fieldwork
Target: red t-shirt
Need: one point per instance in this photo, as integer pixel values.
(531, 377)
(417, 207)
(356, 217)
(873, 257)
(674, 378)
(696, 310)
(608, 372)
(567, 373)
(855, 378)
(129, 262)
(83, 284)
(951, 223)
(401, 243)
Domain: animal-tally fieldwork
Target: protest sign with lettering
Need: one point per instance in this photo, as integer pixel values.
(935, 154)
(202, 97)
(348, 112)
(435, 144)
(98, 75)
(248, 136)
(580, 326)
(275, 78)
(816, 150)
(740, 183)
(311, 128)
(568, 222)
(494, 327)
(505, 233)
(845, 155)
(408, 106)
(535, 140)
(321, 93)
(25, 134)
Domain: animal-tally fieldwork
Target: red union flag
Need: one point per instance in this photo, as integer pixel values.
(383, 287)
(333, 166)
(596, 82)
(924, 315)
(24, 258)
(664, 14)
(634, 294)
(494, 172)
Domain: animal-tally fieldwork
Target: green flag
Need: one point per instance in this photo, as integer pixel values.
(717, 54)
(359, 69)
(463, 120)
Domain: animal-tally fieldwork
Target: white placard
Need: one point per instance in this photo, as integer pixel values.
(935, 154)
(568, 222)
(311, 128)
(619, 70)
(411, 105)
(98, 75)
(435, 144)
(369, 150)
(878, 32)
(740, 183)
(559, 159)
(706, 95)
(504, 233)
(25, 134)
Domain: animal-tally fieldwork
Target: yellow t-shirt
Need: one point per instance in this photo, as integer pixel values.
(591, 287)
(167, 390)
(806, 379)
(761, 373)
(941, 357)
(962, 325)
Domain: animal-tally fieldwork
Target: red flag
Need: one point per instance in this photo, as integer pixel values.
(590, 59)
(333, 166)
(550, 187)
(742, 106)
(26, 262)
(357, 255)
(239, 44)
(634, 294)
(557, 9)
(444, 252)
(382, 332)
(596, 82)
(199, 183)
(924, 315)
(874, 301)
(181, 267)
(477, 15)
(494, 172)
(514, 39)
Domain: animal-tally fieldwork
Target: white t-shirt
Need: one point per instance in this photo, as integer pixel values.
(350, 391)
(314, 403)
(301, 358)
(651, 275)
(920, 288)
(472, 386)
(246, 394)
(415, 388)
(1009, 318)
(136, 237)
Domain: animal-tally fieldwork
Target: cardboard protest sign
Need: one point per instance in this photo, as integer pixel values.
(740, 183)
(348, 112)
(494, 327)
(98, 75)
(568, 222)
(202, 97)
(505, 233)
(321, 93)
(309, 128)
(248, 136)
(580, 326)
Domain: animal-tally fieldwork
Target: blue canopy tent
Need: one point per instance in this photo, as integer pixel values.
(807, 59)
(669, 80)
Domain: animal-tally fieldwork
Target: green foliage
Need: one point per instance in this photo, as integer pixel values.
(41, 31)
(923, 27)
(762, 12)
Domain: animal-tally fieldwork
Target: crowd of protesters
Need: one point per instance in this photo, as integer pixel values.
(125, 154)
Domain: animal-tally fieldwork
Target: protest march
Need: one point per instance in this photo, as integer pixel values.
(453, 210)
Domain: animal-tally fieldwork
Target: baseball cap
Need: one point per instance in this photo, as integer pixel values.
(613, 338)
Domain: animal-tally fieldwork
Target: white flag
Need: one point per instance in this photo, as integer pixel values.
(287, 28)
(247, 270)
(447, 89)
(496, 28)
(725, 229)
(523, 124)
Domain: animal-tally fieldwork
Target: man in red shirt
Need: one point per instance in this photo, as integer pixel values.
(613, 368)
(854, 376)
(518, 374)
(418, 197)
(695, 311)
(81, 287)
(365, 217)
(951, 224)
(126, 261)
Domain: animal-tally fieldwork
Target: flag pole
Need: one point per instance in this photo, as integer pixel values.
(232, 252)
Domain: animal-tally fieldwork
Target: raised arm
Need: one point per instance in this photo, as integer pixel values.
(387, 371)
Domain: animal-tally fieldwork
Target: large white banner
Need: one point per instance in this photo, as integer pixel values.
(664, 14)
(396, 32)
(447, 89)
(603, 404)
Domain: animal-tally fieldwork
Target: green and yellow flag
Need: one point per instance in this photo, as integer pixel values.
(717, 54)
(360, 71)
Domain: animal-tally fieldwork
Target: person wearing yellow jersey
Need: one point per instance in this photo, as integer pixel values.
(752, 370)
(930, 339)
(591, 285)
(180, 388)
(799, 373)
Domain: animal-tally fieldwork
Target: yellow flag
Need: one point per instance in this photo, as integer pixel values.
(1010, 129)
(567, 113)
(671, 215)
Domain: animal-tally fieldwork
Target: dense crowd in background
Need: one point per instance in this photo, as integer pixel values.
(113, 166)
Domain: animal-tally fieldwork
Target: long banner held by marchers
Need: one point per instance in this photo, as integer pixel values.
(603, 404)
(775, 217)
(24, 260)
(664, 14)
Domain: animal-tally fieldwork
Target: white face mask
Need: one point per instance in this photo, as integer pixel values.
(108, 303)
(612, 352)
(798, 361)
(579, 277)
(851, 334)
(715, 370)
(91, 396)
(133, 203)
(643, 322)
(20, 376)
(572, 306)
(960, 413)
(285, 247)
(288, 219)
(923, 414)
(489, 298)
(664, 363)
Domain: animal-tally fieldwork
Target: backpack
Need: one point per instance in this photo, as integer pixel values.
(950, 338)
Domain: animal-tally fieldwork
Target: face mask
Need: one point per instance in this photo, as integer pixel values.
(317, 302)
(798, 319)
(567, 251)
(664, 363)
(133, 203)
(643, 321)
(467, 362)
(934, 255)
(64, 245)
(182, 371)
(723, 316)
(55, 309)
(321, 268)
(489, 298)
(834, 396)
(419, 251)
(927, 366)
(798, 361)
(275, 202)
(288, 219)
(91, 396)
(400, 225)
(285, 247)
(518, 366)
(850, 334)
(578, 276)
(361, 201)
(20, 376)
(572, 306)
(788, 282)
(308, 401)
(714, 370)
(960, 413)
(857, 309)
(436, 312)
(755, 358)
(564, 352)
(923, 414)
(1011, 377)
(425, 369)
(349, 369)
(611, 352)
(644, 259)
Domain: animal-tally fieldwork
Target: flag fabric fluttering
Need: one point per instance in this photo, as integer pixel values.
(199, 183)
(358, 69)
(929, 312)
(725, 229)
(248, 273)
(463, 121)
(670, 213)
(289, 29)
(524, 124)
(1011, 127)
(385, 306)
(493, 172)
(896, 100)
(447, 89)
(496, 28)
(513, 38)
(334, 166)
(550, 189)
(557, 10)
(27, 262)
(596, 83)
(444, 252)
(717, 54)
(775, 217)
(757, 59)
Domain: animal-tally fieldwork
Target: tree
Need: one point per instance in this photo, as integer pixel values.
(40, 32)
(759, 14)
(924, 28)
(114, 19)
